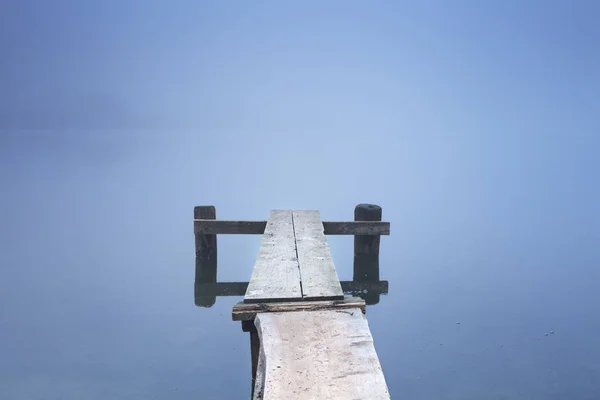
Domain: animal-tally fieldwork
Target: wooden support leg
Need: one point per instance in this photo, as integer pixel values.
(254, 349)
(248, 326)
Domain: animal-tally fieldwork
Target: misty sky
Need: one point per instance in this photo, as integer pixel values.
(479, 68)
(475, 125)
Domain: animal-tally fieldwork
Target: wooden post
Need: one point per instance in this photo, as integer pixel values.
(366, 250)
(206, 257)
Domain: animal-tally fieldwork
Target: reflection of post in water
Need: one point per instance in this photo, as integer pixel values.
(366, 251)
(206, 257)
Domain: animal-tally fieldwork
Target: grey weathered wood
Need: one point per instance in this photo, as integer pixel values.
(359, 228)
(205, 242)
(223, 227)
(276, 274)
(206, 256)
(317, 271)
(366, 248)
(245, 312)
(229, 227)
(317, 355)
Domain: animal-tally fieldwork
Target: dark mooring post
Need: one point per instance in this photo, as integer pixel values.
(206, 257)
(366, 250)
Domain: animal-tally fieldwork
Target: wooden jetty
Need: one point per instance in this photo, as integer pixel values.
(308, 340)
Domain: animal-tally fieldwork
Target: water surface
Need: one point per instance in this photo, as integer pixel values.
(98, 267)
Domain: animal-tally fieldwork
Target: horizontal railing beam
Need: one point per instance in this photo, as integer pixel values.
(366, 228)
(221, 227)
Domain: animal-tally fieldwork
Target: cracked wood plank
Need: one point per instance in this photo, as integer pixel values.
(276, 274)
(317, 271)
(317, 355)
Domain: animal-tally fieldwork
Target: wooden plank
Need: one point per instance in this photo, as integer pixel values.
(317, 355)
(276, 274)
(245, 312)
(229, 227)
(317, 271)
(362, 228)
(222, 227)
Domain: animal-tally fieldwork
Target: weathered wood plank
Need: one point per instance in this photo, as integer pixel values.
(223, 227)
(276, 274)
(357, 228)
(317, 355)
(317, 271)
(245, 312)
(229, 227)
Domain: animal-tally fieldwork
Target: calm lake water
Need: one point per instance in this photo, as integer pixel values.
(494, 244)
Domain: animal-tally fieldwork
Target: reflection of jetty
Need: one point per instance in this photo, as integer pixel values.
(309, 340)
(205, 293)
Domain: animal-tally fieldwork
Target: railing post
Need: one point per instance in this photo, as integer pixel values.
(206, 256)
(366, 250)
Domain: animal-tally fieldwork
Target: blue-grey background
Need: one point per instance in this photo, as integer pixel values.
(475, 125)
